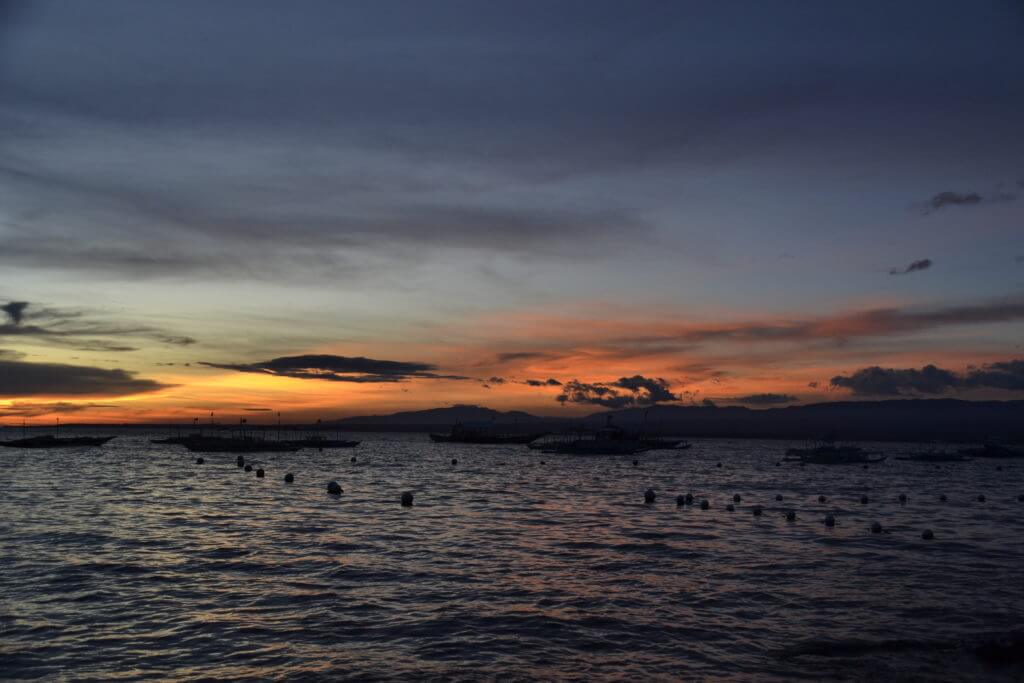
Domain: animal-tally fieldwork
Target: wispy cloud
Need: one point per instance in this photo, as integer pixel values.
(913, 267)
(765, 399)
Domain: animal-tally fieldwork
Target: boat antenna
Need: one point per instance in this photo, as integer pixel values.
(279, 425)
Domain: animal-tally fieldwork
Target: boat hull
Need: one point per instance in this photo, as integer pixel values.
(56, 442)
(482, 439)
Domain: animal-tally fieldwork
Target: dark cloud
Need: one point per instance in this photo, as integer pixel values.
(521, 355)
(15, 310)
(922, 264)
(338, 369)
(258, 410)
(812, 385)
(708, 403)
(944, 199)
(622, 393)
(932, 380)
(550, 382)
(496, 380)
(765, 399)
(23, 409)
(53, 379)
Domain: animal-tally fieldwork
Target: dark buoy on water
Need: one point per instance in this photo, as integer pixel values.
(407, 499)
(704, 505)
(334, 488)
(455, 461)
(730, 508)
(260, 473)
(757, 510)
(830, 520)
(791, 516)
(352, 459)
(649, 496)
(942, 497)
(680, 500)
(778, 497)
(821, 499)
(736, 498)
(876, 527)
(199, 461)
(903, 498)
(248, 468)
(240, 461)
(981, 498)
(289, 478)
(863, 500)
(635, 463)
(718, 465)
(689, 499)
(927, 534)
(1020, 498)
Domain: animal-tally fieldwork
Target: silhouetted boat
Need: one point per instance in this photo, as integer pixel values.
(176, 439)
(51, 441)
(483, 434)
(831, 454)
(992, 450)
(933, 455)
(655, 443)
(245, 444)
(607, 441)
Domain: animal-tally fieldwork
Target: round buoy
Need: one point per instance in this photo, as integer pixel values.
(876, 527)
(778, 497)
(942, 498)
(927, 534)
(865, 467)
(903, 498)
(821, 499)
(635, 463)
(981, 498)
(199, 461)
(704, 505)
(791, 516)
(352, 459)
(718, 464)
(680, 500)
(689, 499)
(999, 468)
(1020, 498)
(248, 468)
(260, 473)
(649, 496)
(289, 478)
(863, 500)
(543, 463)
(730, 508)
(240, 461)
(736, 498)
(757, 510)
(455, 461)
(778, 464)
(407, 499)
(334, 488)
(830, 520)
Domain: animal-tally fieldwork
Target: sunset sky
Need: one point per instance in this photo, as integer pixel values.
(345, 208)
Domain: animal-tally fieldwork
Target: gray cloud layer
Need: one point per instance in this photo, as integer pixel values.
(931, 380)
(622, 393)
(18, 379)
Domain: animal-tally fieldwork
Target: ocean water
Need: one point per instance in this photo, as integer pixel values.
(133, 562)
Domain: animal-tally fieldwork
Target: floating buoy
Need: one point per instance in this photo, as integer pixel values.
(240, 461)
(260, 473)
(791, 516)
(730, 507)
(352, 459)
(876, 527)
(680, 500)
(778, 497)
(455, 461)
(649, 496)
(981, 498)
(407, 499)
(248, 468)
(1020, 498)
(830, 520)
(865, 467)
(999, 468)
(927, 534)
(863, 500)
(635, 463)
(689, 499)
(736, 498)
(199, 461)
(821, 499)
(942, 497)
(289, 478)
(778, 463)
(704, 505)
(757, 510)
(718, 464)
(543, 463)
(903, 498)
(334, 488)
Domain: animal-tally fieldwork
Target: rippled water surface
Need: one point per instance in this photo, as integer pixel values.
(132, 562)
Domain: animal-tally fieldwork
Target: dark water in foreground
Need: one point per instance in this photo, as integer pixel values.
(132, 562)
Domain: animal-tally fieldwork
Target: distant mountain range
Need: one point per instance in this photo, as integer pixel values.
(891, 420)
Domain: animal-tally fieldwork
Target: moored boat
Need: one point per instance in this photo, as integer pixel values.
(483, 434)
(992, 450)
(51, 441)
(831, 454)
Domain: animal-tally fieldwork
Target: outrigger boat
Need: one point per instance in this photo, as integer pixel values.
(51, 441)
(483, 434)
